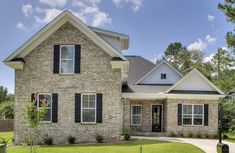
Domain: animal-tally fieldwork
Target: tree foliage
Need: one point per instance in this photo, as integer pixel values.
(228, 7)
(7, 110)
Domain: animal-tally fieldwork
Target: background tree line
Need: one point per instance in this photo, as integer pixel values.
(6, 104)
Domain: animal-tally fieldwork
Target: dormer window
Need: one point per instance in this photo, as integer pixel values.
(163, 76)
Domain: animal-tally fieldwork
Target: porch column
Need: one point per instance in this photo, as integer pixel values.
(126, 113)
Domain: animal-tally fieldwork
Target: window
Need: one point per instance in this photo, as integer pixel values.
(193, 114)
(47, 97)
(88, 108)
(163, 76)
(136, 115)
(67, 54)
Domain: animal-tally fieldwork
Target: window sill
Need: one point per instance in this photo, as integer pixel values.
(191, 125)
(88, 123)
(136, 124)
(45, 122)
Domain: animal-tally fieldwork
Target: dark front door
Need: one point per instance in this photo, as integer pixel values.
(156, 118)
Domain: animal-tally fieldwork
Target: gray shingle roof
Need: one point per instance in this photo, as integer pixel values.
(138, 67)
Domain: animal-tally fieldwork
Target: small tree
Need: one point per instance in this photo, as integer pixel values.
(33, 116)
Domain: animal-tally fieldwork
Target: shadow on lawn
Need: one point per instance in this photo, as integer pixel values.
(119, 143)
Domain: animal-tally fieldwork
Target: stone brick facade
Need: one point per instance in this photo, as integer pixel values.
(171, 112)
(170, 124)
(96, 75)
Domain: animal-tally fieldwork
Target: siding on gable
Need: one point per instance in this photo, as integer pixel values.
(195, 83)
(155, 77)
(114, 41)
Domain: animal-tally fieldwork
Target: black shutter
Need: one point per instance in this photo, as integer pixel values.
(54, 108)
(179, 114)
(56, 64)
(99, 99)
(206, 114)
(77, 58)
(77, 107)
(34, 98)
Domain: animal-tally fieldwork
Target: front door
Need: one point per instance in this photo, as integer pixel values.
(156, 118)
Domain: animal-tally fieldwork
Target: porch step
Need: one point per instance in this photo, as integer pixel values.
(154, 134)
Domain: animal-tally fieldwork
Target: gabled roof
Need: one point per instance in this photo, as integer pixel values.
(44, 33)
(158, 66)
(195, 72)
(138, 67)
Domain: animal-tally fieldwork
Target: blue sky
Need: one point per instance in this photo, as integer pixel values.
(151, 24)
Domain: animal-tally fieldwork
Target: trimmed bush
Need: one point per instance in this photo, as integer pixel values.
(225, 136)
(198, 135)
(99, 138)
(127, 134)
(190, 135)
(172, 134)
(71, 139)
(47, 139)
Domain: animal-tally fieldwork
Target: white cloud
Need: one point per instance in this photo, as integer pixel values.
(101, 18)
(202, 44)
(49, 14)
(135, 4)
(197, 45)
(209, 58)
(27, 9)
(210, 18)
(21, 26)
(210, 40)
(54, 3)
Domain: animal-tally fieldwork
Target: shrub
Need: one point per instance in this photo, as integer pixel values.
(47, 139)
(13, 139)
(198, 135)
(99, 138)
(181, 134)
(172, 134)
(215, 136)
(71, 139)
(207, 135)
(225, 136)
(190, 135)
(3, 140)
(127, 134)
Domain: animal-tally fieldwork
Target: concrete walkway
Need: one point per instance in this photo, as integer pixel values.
(208, 145)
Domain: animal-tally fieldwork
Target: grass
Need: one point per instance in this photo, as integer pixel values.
(148, 146)
(231, 138)
(7, 135)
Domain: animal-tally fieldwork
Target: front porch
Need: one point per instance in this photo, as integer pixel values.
(145, 117)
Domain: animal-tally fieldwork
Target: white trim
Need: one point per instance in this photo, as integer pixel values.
(18, 65)
(170, 96)
(193, 115)
(140, 115)
(201, 75)
(161, 117)
(67, 59)
(45, 93)
(82, 108)
(156, 67)
(44, 33)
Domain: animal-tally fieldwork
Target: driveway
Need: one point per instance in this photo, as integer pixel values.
(208, 145)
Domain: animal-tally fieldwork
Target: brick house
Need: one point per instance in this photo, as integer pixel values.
(94, 88)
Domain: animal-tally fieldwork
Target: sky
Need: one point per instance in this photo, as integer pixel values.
(151, 24)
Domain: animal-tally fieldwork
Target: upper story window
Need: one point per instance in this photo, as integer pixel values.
(88, 108)
(193, 114)
(47, 98)
(136, 114)
(67, 59)
(163, 76)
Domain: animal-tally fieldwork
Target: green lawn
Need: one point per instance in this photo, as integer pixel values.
(231, 138)
(7, 135)
(148, 146)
